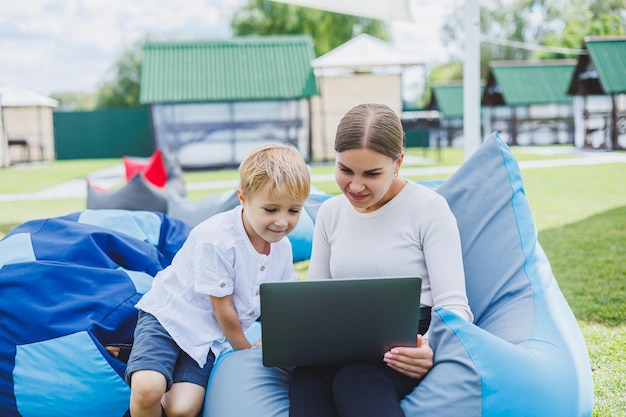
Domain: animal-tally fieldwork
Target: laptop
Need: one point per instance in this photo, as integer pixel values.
(337, 321)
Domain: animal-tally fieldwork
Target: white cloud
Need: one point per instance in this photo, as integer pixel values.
(69, 45)
(423, 35)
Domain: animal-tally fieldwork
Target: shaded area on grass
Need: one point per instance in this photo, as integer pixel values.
(587, 259)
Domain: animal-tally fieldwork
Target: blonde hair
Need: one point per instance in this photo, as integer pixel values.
(371, 126)
(279, 164)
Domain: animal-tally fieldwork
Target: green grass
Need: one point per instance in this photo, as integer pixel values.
(430, 158)
(587, 259)
(35, 177)
(448, 157)
(565, 195)
(608, 361)
(15, 213)
(580, 212)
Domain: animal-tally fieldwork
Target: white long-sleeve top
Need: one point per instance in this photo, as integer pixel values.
(414, 234)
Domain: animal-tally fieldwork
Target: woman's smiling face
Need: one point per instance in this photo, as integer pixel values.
(365, 177)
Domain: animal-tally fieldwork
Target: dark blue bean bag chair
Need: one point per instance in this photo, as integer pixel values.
(69, 286)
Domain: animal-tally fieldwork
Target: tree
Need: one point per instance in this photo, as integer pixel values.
(533, 29)
(72, 101)
(122, 88)
(583, 18)
(328, 30)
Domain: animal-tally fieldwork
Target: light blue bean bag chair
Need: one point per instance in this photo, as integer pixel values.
(523, 356)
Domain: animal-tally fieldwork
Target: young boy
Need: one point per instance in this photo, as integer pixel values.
(201, 304)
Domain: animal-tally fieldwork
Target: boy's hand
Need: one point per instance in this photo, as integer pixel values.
(226, 315)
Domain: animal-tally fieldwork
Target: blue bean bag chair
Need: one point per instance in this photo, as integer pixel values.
(523, 356)
(69, 286)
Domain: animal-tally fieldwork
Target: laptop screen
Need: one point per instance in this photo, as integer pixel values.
(337, 321)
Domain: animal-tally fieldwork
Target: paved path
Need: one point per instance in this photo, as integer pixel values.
(113, 175)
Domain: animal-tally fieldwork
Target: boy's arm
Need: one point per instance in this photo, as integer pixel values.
(227, 318)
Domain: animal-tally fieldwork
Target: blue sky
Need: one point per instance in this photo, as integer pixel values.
(53, 46)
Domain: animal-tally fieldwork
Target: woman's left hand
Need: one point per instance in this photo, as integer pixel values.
(411, 361)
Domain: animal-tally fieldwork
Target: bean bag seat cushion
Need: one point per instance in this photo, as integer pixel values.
(69, 286)
(153, 168)
(194, 212)
(523, 356)
(159, 169)
(136, 194)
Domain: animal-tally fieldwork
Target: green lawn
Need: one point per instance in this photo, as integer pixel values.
(580, 212)
(26, 178)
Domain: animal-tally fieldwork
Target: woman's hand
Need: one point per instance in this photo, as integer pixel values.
(411, 361)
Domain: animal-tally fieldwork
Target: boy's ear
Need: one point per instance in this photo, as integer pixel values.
(241, 196)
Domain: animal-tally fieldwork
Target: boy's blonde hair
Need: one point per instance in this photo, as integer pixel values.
(279, 164)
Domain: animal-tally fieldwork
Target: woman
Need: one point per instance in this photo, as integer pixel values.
(380, 226)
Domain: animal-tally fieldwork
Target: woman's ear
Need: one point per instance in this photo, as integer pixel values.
(399, 162)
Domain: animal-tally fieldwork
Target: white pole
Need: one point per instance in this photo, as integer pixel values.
(4, 142)
(471, 79)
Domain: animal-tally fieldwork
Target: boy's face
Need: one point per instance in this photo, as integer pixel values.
(269, 217)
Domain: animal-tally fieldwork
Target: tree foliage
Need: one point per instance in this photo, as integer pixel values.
(328, 30)
(533, 29)
(122, 88)
(72, 101)
(581, 19)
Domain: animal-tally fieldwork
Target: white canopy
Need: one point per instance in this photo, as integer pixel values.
(398, 10)
(363, 53)
(15, 96)
(382, 10)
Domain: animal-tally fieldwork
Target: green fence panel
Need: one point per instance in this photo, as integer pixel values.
(103, 134)
(418, 138)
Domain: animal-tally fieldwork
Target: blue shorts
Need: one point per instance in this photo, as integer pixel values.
(155, 350)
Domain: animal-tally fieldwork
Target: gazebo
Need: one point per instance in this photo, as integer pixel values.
(598, 85)
(212, 101)
(364, 69)
(527, 101)
(26, 126)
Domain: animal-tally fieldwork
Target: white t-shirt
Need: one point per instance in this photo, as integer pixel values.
(414, 234)
(217, 259)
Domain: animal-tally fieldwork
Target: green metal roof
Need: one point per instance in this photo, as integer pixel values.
(609, 57)
(522, 83)
(448, 99)
(238, 69)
